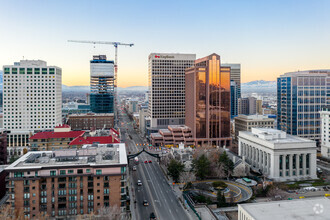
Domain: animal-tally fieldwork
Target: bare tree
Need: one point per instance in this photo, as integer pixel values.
(219, 171)
(109, 213)
(186, 177)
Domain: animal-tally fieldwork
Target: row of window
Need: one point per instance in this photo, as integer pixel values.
(15, 70)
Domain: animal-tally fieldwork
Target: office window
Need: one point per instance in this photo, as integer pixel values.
(53, 173)
(98, 172)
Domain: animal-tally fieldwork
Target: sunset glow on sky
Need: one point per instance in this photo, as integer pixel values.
(268, 38)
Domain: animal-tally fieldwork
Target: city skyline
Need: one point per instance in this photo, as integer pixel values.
(266, 38)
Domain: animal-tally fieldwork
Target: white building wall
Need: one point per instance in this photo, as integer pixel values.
(325, 135)
(263, 152)
(32, 98)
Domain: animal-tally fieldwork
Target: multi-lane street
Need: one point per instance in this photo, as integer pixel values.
(155, 187)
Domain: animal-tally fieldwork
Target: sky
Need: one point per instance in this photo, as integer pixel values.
(268, 38)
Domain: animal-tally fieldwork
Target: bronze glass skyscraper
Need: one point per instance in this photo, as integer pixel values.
(208, 101)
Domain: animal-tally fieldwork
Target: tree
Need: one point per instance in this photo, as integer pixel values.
(25, 151)
(201, 166)
(227, 163)
(111, 213)
(174, 169)
(221, 199)
(187, 177)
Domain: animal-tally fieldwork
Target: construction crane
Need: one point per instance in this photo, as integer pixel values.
(115, 44)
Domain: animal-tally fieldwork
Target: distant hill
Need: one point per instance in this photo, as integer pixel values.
(259, 86)
(87, 88)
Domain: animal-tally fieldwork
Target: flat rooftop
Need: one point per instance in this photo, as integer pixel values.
(92, 155)
(315, 208)
(275, 136)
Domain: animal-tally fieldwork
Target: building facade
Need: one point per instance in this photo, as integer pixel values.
(3, 146)
(173, 136)
(325, 131)
(247, 122)
(91, 121)
(300, 97)
(233, 99)
(68, 182)
(208, 101)
(167, 88)
(32, 99)
(102, 97)
(235, 75)
(60, 138)
(259, 109)
(247, 106)
(277, 155)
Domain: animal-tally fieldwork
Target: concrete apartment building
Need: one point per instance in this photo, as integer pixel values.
(277, 155)
(300, 97)
(32, 99)
(208, 101)
(325, 131)
(91, 121)
(247, 106)
(66, 183)
(166, 76)
(246, 122)
(60, 138)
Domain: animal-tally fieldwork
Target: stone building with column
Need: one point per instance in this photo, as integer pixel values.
(277, 155)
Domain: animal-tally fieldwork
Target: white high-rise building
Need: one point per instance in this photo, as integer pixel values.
(167, 88)
(325, 129)
(32, 99)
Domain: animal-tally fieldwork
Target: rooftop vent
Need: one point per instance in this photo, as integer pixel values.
(108, 155)
(66, 159)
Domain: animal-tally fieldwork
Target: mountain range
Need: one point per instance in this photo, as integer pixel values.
(257, 86)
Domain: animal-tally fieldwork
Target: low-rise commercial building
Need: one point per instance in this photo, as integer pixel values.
(246, 122)
(60, 138)
(68, 182)
(277, 155)
(315, 208)
(91, 121)
(173, 135)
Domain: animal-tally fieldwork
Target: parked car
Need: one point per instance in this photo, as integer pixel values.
(139, 183)
(145, 161)
(134, 168)
(150, 161)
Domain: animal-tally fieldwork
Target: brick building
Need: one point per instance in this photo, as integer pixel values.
(69, 182)
(91, 121)
(60, 138)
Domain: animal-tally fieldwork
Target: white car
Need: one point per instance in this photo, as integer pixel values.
(139, 183)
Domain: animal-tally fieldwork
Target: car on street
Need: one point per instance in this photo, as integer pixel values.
(145, 161)
(150, 161)
(152, 216)
(145, 203)
(134, 168)
(139, 183)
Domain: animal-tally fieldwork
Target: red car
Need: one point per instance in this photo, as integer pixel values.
(145, 161)
(150, 161)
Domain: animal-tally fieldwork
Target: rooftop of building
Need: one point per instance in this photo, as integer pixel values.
(92, 114)
(254, 117)
(155, 135)
(30, 63)
(97, 139)
(274, 136)
(315, 208)
(96, 155)
(327, 71)
(63, 126)
(53, 134)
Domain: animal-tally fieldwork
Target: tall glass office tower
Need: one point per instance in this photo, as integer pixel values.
(300, 97)
(208, 101)
(102, 85)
